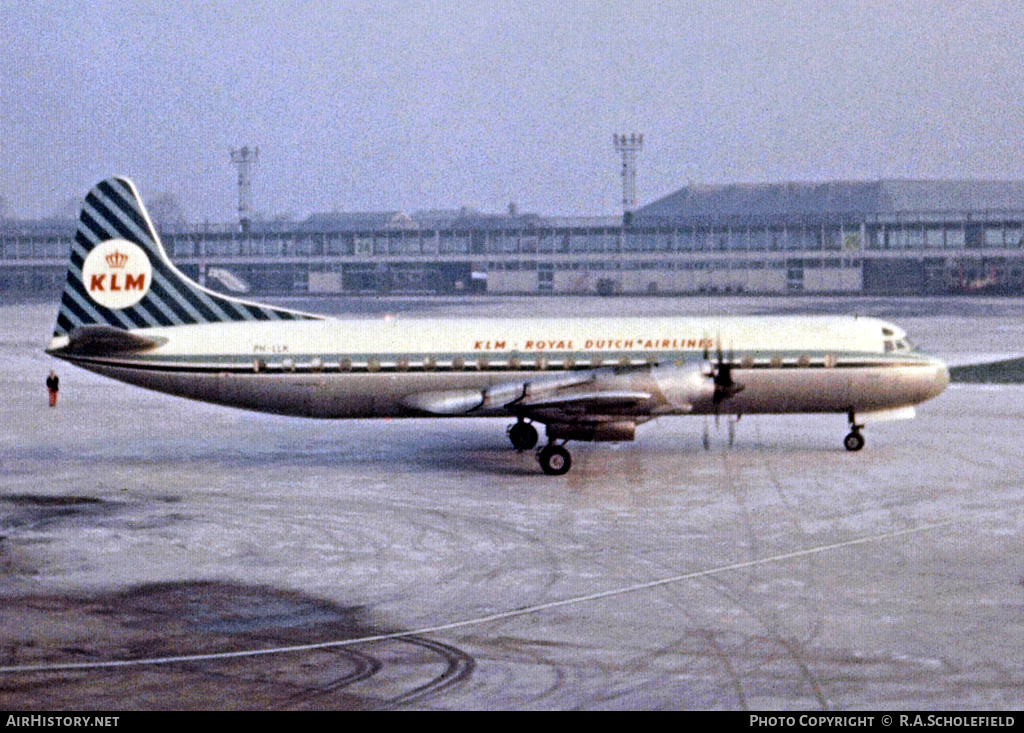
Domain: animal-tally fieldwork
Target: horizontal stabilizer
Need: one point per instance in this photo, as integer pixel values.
(101, 341)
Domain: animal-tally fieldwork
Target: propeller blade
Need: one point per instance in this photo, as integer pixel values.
(721, 374)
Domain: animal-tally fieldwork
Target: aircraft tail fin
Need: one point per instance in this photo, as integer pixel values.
(119, 274)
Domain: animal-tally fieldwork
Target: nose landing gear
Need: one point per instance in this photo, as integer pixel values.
(855, 440)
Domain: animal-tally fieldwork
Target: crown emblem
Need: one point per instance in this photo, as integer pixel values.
(116, 259)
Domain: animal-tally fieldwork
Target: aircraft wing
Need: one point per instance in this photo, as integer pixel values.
(585, 402)
(581, 396)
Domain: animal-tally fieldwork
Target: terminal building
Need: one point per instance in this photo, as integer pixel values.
(878, 237)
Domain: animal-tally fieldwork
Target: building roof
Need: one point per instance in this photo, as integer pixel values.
(953, 196)
(369, 221)
(832, 200)
(466, 218)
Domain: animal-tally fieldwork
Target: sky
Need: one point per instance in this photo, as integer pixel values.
(412, 105)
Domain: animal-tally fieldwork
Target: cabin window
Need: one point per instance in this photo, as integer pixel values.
(258, 365)
(624, 361)
(457, 363)
(402, 365)
(288, 365)
(596, 362)
(514, 362)
(316, 365)
(776, 362)
(481, 363)
(830, 361)
(429, 364)
(541, 363)
(747, 362)
(803, 361)
(373, 365)
(345, 365)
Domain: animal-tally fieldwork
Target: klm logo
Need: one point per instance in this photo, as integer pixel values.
(99, 282)
(117, 274)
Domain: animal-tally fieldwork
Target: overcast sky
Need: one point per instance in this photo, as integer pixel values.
(412, 105)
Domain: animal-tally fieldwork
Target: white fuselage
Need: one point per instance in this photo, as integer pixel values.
(372, 368)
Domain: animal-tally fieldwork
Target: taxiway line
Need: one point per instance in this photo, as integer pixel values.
(503, 615)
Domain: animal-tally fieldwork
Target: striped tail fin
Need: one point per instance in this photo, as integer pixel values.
(119, 274)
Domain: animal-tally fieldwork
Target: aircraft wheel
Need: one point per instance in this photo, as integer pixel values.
(523, 435)
(554, 460)
(854, 441)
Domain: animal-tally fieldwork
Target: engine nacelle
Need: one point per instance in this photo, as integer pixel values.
(619, 431)
(685, 386)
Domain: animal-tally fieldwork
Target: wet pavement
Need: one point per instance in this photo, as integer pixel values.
(779, 573)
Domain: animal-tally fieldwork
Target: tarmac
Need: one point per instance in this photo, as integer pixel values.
(424, 564)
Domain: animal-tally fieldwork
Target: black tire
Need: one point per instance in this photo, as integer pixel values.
(854, 441)
(554, 460)
(523, 436)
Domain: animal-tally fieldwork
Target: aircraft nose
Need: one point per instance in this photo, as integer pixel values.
(940, 377)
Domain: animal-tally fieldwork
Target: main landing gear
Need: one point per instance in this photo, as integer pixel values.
(554, 458)
(523, 435)
(855, 440)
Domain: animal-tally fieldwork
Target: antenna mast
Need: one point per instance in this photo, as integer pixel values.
(628, 146)
(244, 160)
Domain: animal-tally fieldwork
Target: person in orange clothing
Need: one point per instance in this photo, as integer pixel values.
(53, 385)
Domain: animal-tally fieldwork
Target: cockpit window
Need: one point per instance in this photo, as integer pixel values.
(901, 345)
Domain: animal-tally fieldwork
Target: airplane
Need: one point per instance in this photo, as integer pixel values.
(128, 313)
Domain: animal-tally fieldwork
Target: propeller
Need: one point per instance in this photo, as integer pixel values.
(721, 374)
